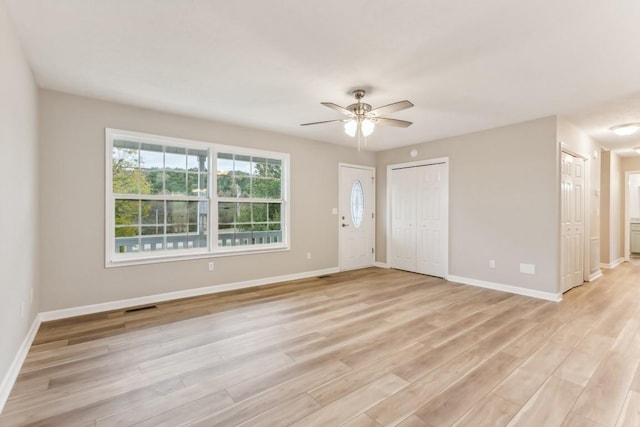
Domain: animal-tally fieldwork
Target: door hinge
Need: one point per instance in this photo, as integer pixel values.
(372, 215)
(372, 250)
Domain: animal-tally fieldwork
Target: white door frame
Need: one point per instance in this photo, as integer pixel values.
(586, 251)
(627, 218)
(340, 207)
(418, 163)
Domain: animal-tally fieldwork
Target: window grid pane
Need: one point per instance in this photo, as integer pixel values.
(153, 225)
(155, 169)
(256, 183)
(249, 223)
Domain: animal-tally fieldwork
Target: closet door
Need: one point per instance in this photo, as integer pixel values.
(431, 219)
(403, 219)
(572, 221)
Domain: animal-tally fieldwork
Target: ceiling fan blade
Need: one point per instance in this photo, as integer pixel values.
(393, 122)
(390, 108)
(319, 123)
(337, 108)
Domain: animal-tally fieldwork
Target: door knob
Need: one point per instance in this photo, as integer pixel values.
(345, 225)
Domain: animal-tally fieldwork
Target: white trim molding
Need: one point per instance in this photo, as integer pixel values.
(506, 288)
(613, 264)
(12, 374)
(381, 265)
(595, 275)
(169, 296)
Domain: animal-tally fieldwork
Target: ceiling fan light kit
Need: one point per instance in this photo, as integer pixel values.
(366, 126)
(350, 127)
(362, 118)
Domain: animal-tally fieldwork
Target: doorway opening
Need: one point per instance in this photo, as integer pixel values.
(632, 216)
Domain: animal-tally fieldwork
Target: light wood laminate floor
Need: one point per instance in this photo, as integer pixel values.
(363, 348)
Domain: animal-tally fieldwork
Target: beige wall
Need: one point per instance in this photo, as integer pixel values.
(577, 142)
(629, 164)
(18, 194)
(72, 204)
(612, 207)
(616, 215)
(605, 207)
(503, 202)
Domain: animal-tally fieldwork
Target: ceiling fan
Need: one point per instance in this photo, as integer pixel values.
(362, 119)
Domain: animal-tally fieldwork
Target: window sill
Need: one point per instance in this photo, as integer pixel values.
(157, 259)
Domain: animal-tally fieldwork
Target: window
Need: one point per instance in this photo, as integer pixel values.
(357, 203)
(163, 200)
(249, 200)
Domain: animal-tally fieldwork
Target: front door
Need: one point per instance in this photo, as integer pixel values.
(356, 220)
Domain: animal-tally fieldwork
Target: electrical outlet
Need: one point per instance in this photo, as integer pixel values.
(308, 255)
(211, 266)
(492, 263)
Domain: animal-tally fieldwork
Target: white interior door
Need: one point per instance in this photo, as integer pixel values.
(572, 220)
(403, 219)
(432, 210)
(356, 217)
(418, 197)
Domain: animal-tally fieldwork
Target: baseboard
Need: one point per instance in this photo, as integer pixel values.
(595, 275)
(381, 264)
(10, 378)
(151, 299)
(613, 264)
(506, 288)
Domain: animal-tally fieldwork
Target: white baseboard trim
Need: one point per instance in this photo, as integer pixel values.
(151, 299)
(506, 288)
(614, 264)
(10, 378)
(381, 264)
(595, 275)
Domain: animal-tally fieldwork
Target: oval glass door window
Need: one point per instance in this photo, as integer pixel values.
(357, 203)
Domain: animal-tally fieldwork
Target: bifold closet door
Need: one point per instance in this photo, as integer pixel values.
(431, 181)
(403, 219)
(418, 219)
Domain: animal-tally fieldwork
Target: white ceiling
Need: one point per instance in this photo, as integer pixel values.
(466, 65)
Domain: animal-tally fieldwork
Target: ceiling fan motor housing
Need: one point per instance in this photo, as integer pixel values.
(359, 108)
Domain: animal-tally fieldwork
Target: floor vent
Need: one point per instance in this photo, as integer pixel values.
(146, 307)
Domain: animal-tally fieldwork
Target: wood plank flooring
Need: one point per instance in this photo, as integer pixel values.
(372, 347)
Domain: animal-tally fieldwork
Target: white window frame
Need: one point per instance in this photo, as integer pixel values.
(114, 259)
